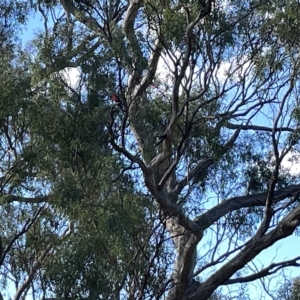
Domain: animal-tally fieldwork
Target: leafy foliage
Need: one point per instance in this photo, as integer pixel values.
(173, 191)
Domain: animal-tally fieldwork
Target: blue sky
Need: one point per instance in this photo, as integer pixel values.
(28, 30)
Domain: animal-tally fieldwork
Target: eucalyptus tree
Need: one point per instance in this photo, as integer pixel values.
(174, 190)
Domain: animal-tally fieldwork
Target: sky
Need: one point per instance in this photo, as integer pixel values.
(285, 249)
(282, 250)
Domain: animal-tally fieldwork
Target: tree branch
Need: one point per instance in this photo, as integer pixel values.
(89, 22)
(121, 149)
(271, 269)
(235, 203)
(200, 170)
(151, 70)
(37, 264)
(14, 198)
(24, 229)
(128, 29)
(252, 248)
(257, 128)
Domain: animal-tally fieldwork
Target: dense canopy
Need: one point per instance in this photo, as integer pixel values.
(148, 148)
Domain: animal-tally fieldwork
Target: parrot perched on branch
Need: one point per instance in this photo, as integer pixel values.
(115, 99)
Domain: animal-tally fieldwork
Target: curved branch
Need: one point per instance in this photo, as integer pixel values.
(258, 128)
(136, 52)
(235, 203)
(24, 229)
(271, 269)
(179, 75)
(151, 70)
(119, 148)
(130, 17)
(14, 198)
(200, 170)
(252, 248)
(37, 264)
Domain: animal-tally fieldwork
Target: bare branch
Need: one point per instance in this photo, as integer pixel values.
(121, 149)
(128, 28)
(218, 260)
(14, 198)
(151, 70)
(235, 203)
(269, 212)
(258, 243)
(271, 269)
(257, 128)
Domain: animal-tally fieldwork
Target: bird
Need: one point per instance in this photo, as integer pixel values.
(115, 98)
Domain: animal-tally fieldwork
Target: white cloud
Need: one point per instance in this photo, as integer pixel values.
(72, 76)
